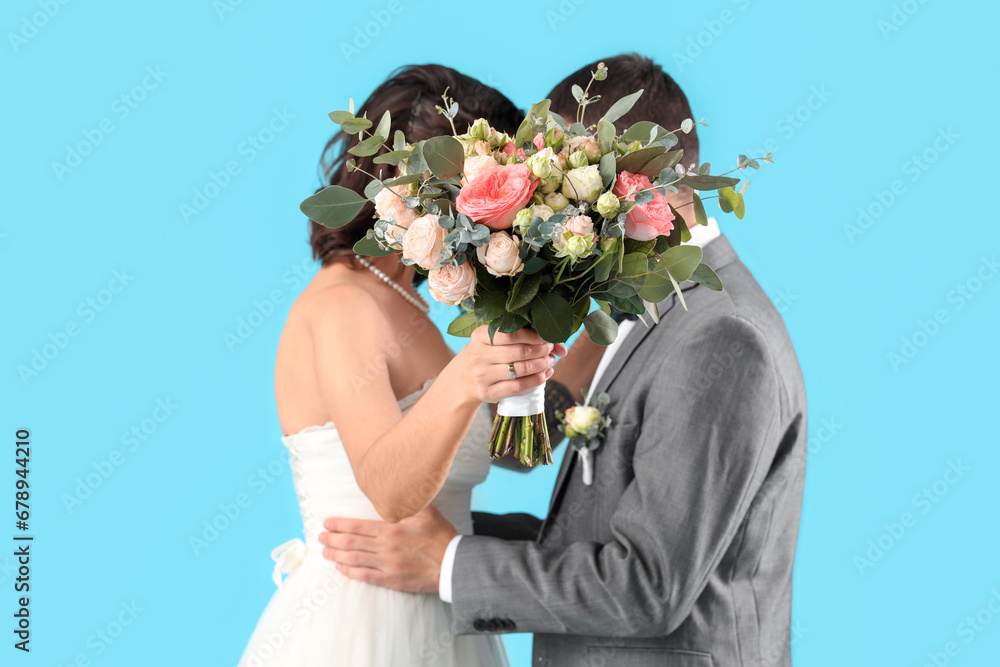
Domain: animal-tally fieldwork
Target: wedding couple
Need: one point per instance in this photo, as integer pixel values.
(678, 551)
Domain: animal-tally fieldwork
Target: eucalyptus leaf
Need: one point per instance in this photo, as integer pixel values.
(382, 129)
(740, 208)
(704, 275)
(333, 206)
(366, 147)
(415, 164)
(600, 327)
(699, 210)
(392, 157)
(444, 156)
(621, 107)
(339, 117)
(355, 125)
(606, 168)
(635, 161)
(681, 261)
(605, 135)
(703, 182)
(370, 247)
(728, 199)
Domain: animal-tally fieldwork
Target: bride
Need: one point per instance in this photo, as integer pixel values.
(381, 419)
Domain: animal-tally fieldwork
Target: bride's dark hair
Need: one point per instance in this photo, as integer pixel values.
(410, 95)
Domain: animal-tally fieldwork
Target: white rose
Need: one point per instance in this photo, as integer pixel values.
(389, 205)
(583, 184)
(423, 241)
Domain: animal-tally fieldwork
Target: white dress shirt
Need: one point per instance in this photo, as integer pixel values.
(701, 236)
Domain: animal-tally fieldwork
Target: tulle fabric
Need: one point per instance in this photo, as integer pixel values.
(319, 618)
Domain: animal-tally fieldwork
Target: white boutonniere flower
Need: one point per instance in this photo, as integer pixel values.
(585, 425)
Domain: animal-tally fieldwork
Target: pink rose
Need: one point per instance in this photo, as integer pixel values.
(646, 221)
(496, 195)
(539, 141)
(451, 284)
(389, 205)
(499, 255)
(475, 166)
(423, 241)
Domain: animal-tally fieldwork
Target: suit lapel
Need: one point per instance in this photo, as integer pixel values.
(717, 254)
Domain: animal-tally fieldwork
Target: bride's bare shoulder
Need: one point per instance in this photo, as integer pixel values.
(337, 304)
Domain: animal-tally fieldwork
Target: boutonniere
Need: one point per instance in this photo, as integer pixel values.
(584, 425)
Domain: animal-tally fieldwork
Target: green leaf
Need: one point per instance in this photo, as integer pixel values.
(703, 182)
(339, 117)
(490, 306)
(680, 233)
(636, 160)
(366, 147)
(415, 163)
(534, 265)
(704, 275)
(600, 327)
(728, 199)
(682, 261)
(524, 290)
(552, 316)
(373, 188)
(405, 179)
(392, 157)
(382, 129)
(355, 125)
(653, 310)
(621, 107)
(444, 156)
(677, 289)
(699, 210)
(370, 247)
(705, 169)
(603, 268)
(606, 168)
(673, 157)
(643, 130)
(605, 135)
(740, 208)
(333, 206)
(511, 322)
(464, 325)
(657, 286)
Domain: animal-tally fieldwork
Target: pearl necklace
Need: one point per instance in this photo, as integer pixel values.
(417, 301)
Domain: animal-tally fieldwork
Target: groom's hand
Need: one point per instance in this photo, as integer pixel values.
(405, 555)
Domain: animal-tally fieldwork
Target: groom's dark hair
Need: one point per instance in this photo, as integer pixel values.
(662, 101)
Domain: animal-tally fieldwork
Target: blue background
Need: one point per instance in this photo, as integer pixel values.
(847, 99)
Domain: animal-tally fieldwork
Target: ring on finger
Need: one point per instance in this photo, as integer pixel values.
(513, 373)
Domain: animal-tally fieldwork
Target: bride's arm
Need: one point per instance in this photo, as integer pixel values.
(401, 462)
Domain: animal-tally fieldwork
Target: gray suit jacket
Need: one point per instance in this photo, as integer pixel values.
(680, 553)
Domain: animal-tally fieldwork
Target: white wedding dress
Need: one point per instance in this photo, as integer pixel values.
(320, 618)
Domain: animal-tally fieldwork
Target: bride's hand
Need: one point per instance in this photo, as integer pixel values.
(485, 366)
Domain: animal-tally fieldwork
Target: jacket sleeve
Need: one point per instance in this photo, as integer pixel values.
(506, 526)
(700, 457)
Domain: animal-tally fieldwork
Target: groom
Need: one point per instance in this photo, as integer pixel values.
(680, 550)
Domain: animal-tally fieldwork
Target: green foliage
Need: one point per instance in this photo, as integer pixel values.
(333, 206)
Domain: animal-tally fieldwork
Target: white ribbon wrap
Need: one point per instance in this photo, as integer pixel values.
(287, 557)
(525, 404)
(588, 467)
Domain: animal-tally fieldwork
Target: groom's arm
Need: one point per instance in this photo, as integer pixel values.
(698, 463)
(518, 526)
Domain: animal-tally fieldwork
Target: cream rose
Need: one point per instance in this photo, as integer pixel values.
(423, 241)
(451, 284)
(475, 165)
(583, 184)
(389, 206)
(580, 418)
(500, 254)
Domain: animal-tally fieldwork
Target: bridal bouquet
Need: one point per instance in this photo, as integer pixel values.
(529, 230)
